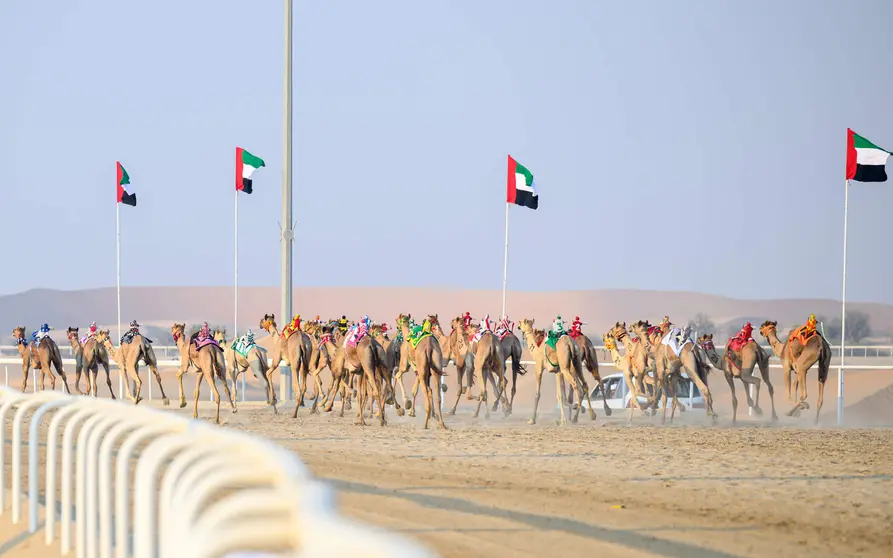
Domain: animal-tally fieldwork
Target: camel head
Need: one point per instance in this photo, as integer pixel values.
(403, 320)
(310, 328)
(609, 341)
(435, 322)
(220, 334)
(18, 333)
(102, 335)
(618, 332)
(706, 342)
(177, 331)
(767, 328)
(526, 325)
(72, 334)
(457, 323)
(640, 328)
(268, 322)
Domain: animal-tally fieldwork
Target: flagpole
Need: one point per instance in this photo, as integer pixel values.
(236, 269)
(118, 283)
(846, 202)
(505, 264)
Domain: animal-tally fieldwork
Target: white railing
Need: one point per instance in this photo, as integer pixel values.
(198, 490)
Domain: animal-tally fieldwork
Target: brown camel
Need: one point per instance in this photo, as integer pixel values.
(669, 365)
(590, 360)
(427, 359)
(799, 357)
(564, 361)
(740, 364)
(208, 362)
(294, 352)
(30, 360)
(512, 349)
(460, 355)
(88, 356)
(624, 365)
(49, 356)
(489, 363)
(128, 357)
(637, 358)
(256, 360)
(330, 341)
(366, 360)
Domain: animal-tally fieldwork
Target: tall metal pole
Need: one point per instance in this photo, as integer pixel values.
(846, 202)
(118, 283)
(505, 262)
(287, 232)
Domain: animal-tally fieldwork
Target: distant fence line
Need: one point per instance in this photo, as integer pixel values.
(171, 351)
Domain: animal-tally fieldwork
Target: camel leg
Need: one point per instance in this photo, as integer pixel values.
(559, 386)
(818, 405)
(764, 372)
(77, 379)
(198, 385)
(303, 374)
(577, 388)
(731, 380)
(749, 379)
(108, 379)
(437, 396)
(139, 384)
(155, 373)
(601, 385)
(415, 391)
(25, 370)
(538, 370)
(317, 386)
(94, 388)
(424, 379)
(460, 376)
(271, 391)
(672, 386)
(184, 366)
(592, 415)
(213, 382)
(787, 381)
(361, 400)
(497, 389)
(377, 396)
(229, 394)
(299, 392)
(482, 396)
(705, 392)
(57, 363)
(801, 382)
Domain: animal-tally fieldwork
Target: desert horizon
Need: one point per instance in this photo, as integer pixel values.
(600, 308)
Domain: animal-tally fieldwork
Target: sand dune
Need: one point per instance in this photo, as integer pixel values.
(599, 308)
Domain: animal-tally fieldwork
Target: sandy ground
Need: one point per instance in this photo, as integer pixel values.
(500, 487)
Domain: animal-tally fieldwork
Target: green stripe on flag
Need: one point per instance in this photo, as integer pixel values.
(251, 160)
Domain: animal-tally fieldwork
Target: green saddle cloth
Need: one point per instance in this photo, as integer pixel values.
(553, 337)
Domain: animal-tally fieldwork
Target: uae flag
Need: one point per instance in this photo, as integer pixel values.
(864, 160)
(246, 164)
(520, 190)
(124, 178)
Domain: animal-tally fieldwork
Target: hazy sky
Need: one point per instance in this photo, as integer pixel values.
(686, 145)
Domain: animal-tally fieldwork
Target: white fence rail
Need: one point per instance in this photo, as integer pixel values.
(198, 490)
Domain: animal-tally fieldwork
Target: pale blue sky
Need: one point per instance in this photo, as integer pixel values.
(700, 144)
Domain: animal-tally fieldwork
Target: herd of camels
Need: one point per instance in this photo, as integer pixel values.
(372, 369)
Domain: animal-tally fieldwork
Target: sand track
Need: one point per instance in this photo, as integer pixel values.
(503, 488)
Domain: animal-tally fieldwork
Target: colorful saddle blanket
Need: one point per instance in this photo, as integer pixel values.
(672, 340)
(553, 337)
(803, 334)
(325, 338)
(128, 337)
(354, 338)
(417, 333)
(204, 341)
(291, 328)
(243, 347)
(737, 343)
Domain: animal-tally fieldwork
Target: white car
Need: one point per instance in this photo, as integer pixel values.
(619, 396)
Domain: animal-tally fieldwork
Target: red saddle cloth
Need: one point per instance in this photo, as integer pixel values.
(738, 342)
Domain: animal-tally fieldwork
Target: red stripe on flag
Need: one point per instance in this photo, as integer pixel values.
(118, 188)
(239, 169)
(851, 164)
(511, 192)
